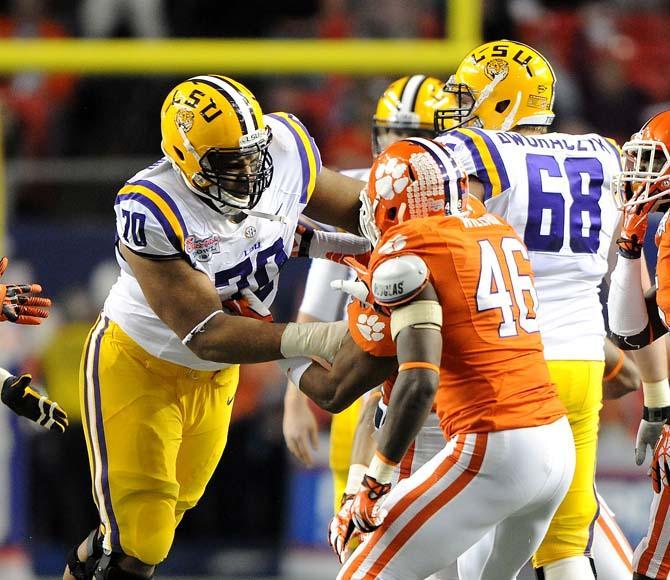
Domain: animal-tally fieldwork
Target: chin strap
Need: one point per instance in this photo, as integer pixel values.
(265, 216)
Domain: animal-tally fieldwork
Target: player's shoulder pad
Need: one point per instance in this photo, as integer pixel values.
(291, 135)
(399, 280)
(148, 221)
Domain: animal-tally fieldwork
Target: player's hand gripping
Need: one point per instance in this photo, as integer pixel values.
(20, 303)
(634, 229)
(649, 430)
(659, 469)
(312, 242)
(21, 398)
(367, 513)
(341, 531)
(246, 303)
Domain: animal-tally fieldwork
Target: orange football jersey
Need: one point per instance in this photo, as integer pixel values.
(663, 270)
(493, 375)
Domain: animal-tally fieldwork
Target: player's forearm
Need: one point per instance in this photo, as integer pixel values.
(330, 390)
(236, 339)
(410, 404)
(365, 444)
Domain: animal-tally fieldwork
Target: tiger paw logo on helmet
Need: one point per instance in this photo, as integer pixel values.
(391, 178)
(370, 327)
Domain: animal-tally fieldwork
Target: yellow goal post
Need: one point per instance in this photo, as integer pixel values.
(245, 57)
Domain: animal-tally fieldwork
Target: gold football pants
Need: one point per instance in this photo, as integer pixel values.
(579, 386)
(155, 432)
(342, 431)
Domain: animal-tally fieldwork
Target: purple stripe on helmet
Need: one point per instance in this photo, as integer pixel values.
(304, 163)
(481, 173)
(166, 198)
(107, 496)
(157, 213)
(497, 159)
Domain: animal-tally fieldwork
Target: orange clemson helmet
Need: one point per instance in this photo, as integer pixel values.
(413, 178)
(645, 175)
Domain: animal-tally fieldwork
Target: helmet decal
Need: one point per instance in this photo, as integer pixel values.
(496, 67)
(184, 119)
(214, 134)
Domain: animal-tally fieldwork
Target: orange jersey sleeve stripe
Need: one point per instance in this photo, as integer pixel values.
(434, 506)
(418, 365)
(403, 504)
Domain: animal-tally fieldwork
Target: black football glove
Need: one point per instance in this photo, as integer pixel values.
(21, 398)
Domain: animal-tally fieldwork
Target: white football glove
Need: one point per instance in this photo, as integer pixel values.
(648, 432)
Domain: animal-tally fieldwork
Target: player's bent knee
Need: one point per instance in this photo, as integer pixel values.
(149, 534)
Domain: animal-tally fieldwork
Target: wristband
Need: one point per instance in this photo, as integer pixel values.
(656, 394)
(656, 415)
(617, 367)
(356, 473)
(381, 468)
(4, 375)
(200, 327)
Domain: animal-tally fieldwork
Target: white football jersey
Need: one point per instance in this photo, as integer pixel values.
(554, 190)
(319, 299)
(158, 217)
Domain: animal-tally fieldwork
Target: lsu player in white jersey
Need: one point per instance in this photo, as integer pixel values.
(202, 235)
(554, 190)
(405, 109)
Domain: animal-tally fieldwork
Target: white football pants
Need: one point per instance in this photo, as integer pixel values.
(507, 483)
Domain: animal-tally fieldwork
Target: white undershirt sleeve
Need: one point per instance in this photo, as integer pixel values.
(626, 306)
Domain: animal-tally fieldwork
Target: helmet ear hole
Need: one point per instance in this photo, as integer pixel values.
(502, 105)
(178, 153)
(393, 212)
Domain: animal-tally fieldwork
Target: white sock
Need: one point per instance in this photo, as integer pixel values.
(575, 568)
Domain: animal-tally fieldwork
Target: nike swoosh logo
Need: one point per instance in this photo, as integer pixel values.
(231, 399)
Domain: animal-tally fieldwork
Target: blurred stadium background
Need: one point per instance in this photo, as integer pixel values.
(81, 86)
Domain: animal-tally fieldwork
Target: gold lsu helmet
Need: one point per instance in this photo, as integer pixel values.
(499, 85)
(213, 131)
(405, 108)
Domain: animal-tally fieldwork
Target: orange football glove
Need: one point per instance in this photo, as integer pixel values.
(659, 470)
(246, 303)
(634, 229)
(341, 531)
(366, 511)
(20, 303)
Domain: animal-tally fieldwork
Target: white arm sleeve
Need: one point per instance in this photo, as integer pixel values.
(625, 304)
(320, 300)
